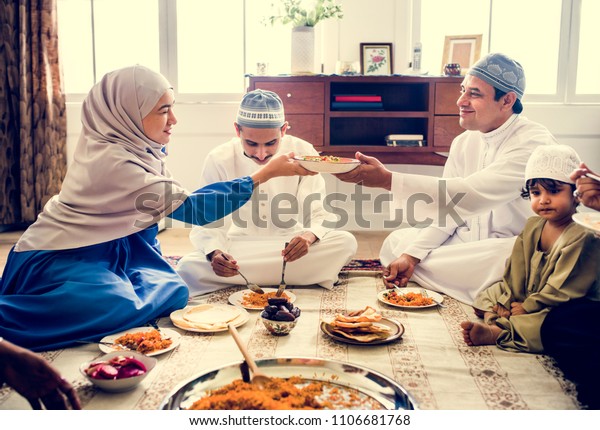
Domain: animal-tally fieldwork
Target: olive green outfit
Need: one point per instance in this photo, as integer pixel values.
(541, 281)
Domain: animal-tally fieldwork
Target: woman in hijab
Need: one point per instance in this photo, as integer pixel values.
(91, 264)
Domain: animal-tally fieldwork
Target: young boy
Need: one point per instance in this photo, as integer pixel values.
(553, 260)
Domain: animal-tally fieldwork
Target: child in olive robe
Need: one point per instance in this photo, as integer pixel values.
(553, 260)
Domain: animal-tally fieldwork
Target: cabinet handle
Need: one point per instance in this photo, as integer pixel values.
(289, 95)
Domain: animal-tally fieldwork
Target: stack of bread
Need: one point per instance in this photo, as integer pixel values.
(360, 325)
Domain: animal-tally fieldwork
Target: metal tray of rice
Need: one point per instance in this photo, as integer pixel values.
(323, 383)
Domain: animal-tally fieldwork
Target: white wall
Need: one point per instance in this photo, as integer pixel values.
(203, 126)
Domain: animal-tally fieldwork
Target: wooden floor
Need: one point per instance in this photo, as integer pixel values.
(175, 241)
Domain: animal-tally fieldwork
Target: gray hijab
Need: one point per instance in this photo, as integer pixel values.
(118, 183)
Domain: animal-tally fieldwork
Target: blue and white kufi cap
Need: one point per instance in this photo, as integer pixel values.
(552, 162)
(261, 109)
(500, 72)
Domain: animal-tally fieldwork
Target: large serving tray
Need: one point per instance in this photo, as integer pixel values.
(379, 388)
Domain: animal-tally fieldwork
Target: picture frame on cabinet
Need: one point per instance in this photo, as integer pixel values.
(376, 59)
(464, 50)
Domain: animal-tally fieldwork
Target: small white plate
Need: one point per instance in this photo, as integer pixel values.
(166, 333)
(178, 320)
(435, 296)
(589, 220)
(237, 298)
(343, 165)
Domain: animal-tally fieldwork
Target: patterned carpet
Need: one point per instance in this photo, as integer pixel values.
(368, 265)
(430, 360)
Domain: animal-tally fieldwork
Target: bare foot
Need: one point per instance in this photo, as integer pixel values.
(475, 333)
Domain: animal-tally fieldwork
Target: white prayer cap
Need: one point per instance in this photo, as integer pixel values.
(552, 162)
(261, 109)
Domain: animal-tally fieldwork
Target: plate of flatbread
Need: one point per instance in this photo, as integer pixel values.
(209, 318)
(363, 327)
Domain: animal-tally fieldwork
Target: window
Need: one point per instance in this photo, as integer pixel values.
(588, 60)
(210, 55)
(554, 40)
(449, 18)
(205, 48)
(201, 47)
(522, 36)
(97, 36)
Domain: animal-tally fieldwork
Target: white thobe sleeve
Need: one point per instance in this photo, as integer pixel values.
(430, 238)
(451, 200)
(212, 236)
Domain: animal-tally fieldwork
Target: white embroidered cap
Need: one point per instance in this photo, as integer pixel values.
(261, 109)
(552, 162)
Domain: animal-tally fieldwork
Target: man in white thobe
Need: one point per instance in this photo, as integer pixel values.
(284, 210)
(475, 210)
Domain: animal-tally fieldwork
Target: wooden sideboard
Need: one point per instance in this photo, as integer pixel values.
(410, 105)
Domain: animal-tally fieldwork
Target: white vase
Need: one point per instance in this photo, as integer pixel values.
(303, 50)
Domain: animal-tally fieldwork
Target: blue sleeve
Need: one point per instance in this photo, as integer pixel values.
(214, 201)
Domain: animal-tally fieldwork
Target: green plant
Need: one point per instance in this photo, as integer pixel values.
(305, 13)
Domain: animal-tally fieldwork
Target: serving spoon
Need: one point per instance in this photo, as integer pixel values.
(252, 287)
(258, 378)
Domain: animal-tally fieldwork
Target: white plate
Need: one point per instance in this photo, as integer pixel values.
(237, 297)
(177, 319)
(342, 166)
(589, 220)
(435, 296)
(172, 334)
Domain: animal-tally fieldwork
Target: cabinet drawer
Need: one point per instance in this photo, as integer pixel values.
(307, 127)
(446, 95)
(298, 97)
(445, 128)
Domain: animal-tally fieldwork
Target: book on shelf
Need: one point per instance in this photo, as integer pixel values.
(357, 98)
(357, 105)
(404, 137)
(406, 143)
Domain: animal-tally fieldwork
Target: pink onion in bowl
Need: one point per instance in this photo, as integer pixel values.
(118, 371)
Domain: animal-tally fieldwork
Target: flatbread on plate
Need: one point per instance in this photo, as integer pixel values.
(362, 337)
(210, 314)
(206, 317)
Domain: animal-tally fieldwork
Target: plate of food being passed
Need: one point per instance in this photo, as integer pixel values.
(252, 301)
(589, 220)
(410, 298)
(327, 163)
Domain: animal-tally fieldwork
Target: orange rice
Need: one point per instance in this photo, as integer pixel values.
(284, 394)
(255, 300)
(144, 341)
(408, 299)
(326, 158)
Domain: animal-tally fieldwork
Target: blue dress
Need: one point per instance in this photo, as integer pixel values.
(49, 299)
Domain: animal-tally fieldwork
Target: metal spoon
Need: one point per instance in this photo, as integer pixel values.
(258, 378)
(424, 294)
(282, 283)
(252, 287)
